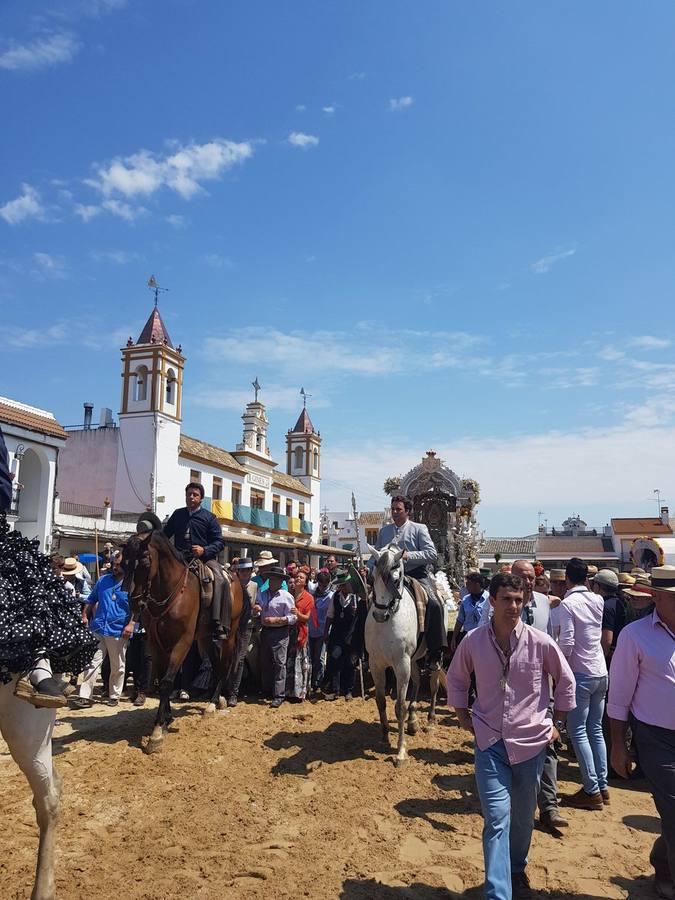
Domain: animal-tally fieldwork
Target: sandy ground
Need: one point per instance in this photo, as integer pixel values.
(297, 802)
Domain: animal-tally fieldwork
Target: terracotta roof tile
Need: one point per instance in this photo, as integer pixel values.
(568, 545)
(209, 452)
(287, 481)
(508, 546)
(640, 526)
(31, 419)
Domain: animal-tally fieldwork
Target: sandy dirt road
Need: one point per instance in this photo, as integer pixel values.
(298, 802)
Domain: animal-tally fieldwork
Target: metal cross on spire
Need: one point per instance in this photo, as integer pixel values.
(256, 388)
(156, 289)
(304, 395)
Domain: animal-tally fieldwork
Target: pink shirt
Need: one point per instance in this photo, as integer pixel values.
(581, 630)
(642, 673)
(516, 714)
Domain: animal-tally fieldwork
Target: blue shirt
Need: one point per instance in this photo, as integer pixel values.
(264, 583)
(112, 607)
(322, 603)
(470, 611)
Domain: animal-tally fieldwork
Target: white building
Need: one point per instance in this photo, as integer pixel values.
(339, 530)
(34, 439)
(145, 461)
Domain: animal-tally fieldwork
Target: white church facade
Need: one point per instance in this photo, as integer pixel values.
(114, 471)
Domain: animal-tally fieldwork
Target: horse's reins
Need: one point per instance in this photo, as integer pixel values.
(145, 599)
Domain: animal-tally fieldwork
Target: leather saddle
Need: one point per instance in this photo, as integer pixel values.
(206, 582)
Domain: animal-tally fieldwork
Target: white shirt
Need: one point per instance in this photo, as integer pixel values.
(581, 630)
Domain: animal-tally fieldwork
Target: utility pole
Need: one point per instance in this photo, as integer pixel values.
(658, 500)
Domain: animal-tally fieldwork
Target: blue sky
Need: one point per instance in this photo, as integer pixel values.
(451, 223)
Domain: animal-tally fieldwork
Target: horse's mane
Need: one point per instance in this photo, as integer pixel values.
(159, 538)
(382, 564)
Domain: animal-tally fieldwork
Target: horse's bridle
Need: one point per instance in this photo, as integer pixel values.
(384, 611)
(145, 598)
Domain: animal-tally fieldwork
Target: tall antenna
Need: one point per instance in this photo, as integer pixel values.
(156, 289)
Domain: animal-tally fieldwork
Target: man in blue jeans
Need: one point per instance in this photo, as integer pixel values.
(512, 662)
(580, 640)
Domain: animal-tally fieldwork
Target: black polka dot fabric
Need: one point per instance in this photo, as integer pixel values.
(38, 616)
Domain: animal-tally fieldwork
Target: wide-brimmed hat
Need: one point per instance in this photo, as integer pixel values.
(275, 571)
(244, 563)
(663, 579)
(643, 579)
(557, 575)
(342, 577)
(636, 570)
(592, 570)
(625, 578)
(71, 566)
(607, 578)
(265, 558)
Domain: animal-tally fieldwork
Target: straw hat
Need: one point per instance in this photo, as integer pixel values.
(265, 559)
(663, 579)
(625, 578)
(557, 575)
(71, 566)
(592, 570)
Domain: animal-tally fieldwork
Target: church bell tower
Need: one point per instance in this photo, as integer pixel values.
(303, 461)
(149, 418)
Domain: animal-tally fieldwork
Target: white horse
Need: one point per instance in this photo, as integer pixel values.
(28, 734)
(391, 641)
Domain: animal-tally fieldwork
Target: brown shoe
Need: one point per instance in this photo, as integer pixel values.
(139, 699)
(582, 800)
(605, 796)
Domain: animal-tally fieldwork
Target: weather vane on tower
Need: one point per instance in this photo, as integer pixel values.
(155, 288)
(304, 395)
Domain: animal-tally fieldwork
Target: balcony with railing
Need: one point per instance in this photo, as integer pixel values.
(260, 518)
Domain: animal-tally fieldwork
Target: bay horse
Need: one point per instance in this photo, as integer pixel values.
(27, 731)
(165, 593)
(392, 642)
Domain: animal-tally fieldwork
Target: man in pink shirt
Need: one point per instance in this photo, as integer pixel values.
(512, 663)
(642, 689)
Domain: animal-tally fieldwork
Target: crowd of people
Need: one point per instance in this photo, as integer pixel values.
(537, 659)
(590, 657)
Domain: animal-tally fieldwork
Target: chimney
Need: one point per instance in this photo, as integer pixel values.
(88, 409)
(664, 515)
(106, 417)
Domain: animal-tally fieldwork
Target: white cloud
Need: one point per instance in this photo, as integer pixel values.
(329, 110)
(274, 397)
(27, 206)
(123, 210)
(48, 265)
(368, 350)
(572, 470)
(119, 257)
(176, 221)
(42, 52)
(300, 107)
(648, 342)
(396, 104)
(86, 211)
(26, 338)
(182, 171)
(302, 140)
(544, 265)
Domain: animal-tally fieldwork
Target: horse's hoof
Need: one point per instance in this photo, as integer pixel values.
(222, 703)
(400, 761)
(412, 729)
(153, 746)
(209, 709)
